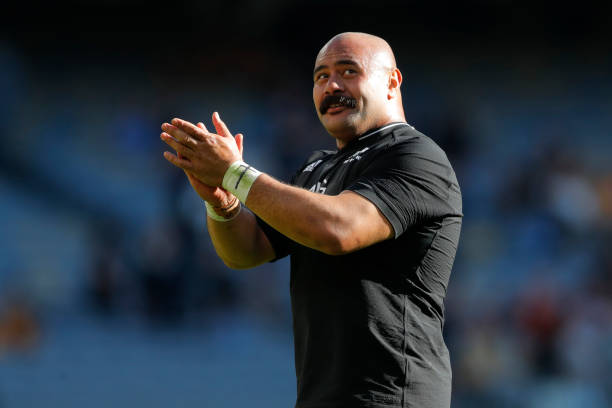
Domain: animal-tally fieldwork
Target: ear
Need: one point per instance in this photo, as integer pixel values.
(395, 80)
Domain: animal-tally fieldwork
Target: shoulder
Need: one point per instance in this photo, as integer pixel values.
(408, 142)
(409, 138)
(315, 158)
(309, 165)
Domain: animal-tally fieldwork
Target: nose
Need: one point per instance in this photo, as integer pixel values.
(334, 84)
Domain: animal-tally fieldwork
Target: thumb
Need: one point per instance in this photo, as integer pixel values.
(239, 138)
(196, 183)
(220, 126)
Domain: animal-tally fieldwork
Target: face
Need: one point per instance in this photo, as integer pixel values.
(346, 69)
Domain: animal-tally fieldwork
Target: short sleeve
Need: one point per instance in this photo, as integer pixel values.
(280, 243)
(410, 182)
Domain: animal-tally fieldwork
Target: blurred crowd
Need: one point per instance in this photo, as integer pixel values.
(97, 225)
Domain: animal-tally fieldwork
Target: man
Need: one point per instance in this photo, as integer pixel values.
(372, 230)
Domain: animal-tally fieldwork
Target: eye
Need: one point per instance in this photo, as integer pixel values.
(320, 76)
(349, 71)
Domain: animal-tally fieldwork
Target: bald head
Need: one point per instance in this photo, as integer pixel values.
(377, 50)
(356, 85)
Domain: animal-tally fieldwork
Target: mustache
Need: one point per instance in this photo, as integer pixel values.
(337, 100)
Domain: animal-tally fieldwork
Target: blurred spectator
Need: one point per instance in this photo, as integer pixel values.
(604, 192)
(161, 271)
(571, 195)
(108, 273)
(540, 317)
(19, 326)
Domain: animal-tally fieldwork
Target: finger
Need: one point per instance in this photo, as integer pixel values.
(181, 163)
(202, 126)
(220, 126)
(179, 147)
(239, 139)
(196, 183)
(191, 129)
(180, 156)
(180, 136)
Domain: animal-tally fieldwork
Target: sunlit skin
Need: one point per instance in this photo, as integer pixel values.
(354, 65)
(361, 66)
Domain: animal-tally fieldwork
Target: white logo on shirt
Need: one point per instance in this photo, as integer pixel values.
(319, 187)
(356, 155)
(311, 166)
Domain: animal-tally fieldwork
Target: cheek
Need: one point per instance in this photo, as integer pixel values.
(316, 95)
(364, 91)
(373, 94)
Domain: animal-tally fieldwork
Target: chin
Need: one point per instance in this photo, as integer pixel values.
(339, 126)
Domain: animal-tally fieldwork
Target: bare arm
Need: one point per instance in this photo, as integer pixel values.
(240, 242)
(334, 225)
(331, 224)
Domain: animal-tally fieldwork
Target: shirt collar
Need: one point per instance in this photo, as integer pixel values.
(381, 129)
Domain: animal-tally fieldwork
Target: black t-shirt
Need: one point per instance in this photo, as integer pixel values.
(368, 325)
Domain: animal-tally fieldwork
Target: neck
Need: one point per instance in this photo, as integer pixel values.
(393, 114)
(342, 143)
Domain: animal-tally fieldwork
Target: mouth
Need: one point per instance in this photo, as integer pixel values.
(335, 109)
(333, 104)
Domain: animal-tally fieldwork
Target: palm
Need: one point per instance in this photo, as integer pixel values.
(217, 196)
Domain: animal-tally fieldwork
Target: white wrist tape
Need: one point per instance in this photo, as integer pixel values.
(239, 178)
(210, 210)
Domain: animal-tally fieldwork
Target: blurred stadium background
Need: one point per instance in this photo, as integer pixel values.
(110, 292)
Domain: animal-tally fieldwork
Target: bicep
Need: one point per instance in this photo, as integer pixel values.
(363, 223)
(411, 187)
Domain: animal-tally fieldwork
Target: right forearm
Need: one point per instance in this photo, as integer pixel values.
(240, 242)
